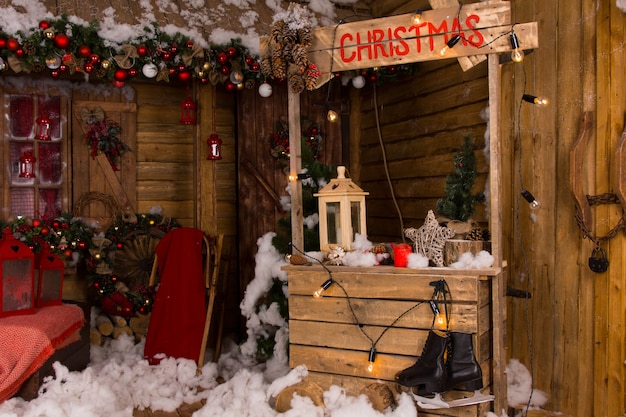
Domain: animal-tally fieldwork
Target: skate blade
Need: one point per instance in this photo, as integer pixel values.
(477, 398)
(430, 403)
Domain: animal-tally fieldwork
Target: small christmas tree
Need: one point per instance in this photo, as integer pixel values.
(459, 203)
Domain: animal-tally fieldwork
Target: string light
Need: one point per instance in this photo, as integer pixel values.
(320, 291)
(450, 44)
(534, 204)
(417, 17)
(332, 116)
(371, 359)
(538, 101)
(517, 54)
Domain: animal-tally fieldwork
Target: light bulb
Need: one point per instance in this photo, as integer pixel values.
(371, 359)
(450, 44)
(539, 101)
(441, 322)
(332, 116)
(320, 291)
(517, 54)
(534, 204)
(417, 18)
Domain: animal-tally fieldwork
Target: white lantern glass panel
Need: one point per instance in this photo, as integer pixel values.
(355, 216)
(17, 287)
(333, 222)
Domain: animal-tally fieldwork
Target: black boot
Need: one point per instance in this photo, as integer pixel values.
(429, 372)
(461, 364)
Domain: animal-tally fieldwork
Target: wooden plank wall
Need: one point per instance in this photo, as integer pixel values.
(261, 181)
(423, 120)
(572, 327)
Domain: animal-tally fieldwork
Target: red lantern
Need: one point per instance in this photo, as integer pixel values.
(188, 112)
(43, 128)
(215, 147)
(17, 272)
(50, 272)
(27, 165)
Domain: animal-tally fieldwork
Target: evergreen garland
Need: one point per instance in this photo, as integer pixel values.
(459, 203)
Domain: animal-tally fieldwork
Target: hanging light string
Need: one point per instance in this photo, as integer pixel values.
(518, 234)
(441, 292)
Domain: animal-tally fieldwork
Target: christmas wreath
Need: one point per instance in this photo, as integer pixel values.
(311, 137)
(102, 137)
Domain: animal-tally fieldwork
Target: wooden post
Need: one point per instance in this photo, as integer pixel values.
(498, 288)
(295, 166)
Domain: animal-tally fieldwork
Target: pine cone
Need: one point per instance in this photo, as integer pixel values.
(300, 57)
(475, 234)
(29, 48)
(277, 30)
(290, 36)
(266, 67)
(306, 36)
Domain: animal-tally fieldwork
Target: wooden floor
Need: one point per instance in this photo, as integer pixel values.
(185, 410)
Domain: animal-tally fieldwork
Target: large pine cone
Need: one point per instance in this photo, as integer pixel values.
(306, 36)
(296, 83)
(300, 57)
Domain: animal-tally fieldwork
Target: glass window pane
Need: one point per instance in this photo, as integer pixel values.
(50, 203)
(51, 107)
(21, 120)
(23, 202)
(50, 163)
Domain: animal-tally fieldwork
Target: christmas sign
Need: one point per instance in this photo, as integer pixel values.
(466, 30)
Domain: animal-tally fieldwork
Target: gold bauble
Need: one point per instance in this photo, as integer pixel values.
(105, 64)
(206, 66)
(49, 33)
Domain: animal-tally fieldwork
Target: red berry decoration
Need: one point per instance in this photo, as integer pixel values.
(222, 58)
(184, 75)
(44, 24)
(120, 75)
(84, 51)
(142, 50)
(62, 41)
(12, 44)
(232, 52)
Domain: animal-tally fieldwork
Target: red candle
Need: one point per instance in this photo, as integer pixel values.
(401, 254)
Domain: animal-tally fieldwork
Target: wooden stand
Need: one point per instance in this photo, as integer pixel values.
(391, 305)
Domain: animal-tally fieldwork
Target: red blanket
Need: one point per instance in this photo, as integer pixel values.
(177, 321)
(27, 341)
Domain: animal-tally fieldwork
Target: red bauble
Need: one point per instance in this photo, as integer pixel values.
(118, 84)
(54, 74)
(94, 58)
(61, 40)
(204, 81)
(56, 224)
(142, 50)
(189, 44)
(36, 223)
(184, 75)
(19, 53)
(230, 86)
(82, 245)
(120, 75)
(67, 253)
(44, 24)
(133, 72)
(167, 55)
(373, 78)
(3, 43)
(173, 71)
(63, 68)
(88, 67)
(182, 67)
(84, 51)
(232, 52)
(119, 245)
(255, 66)
(222, 58)
(45, 231)
(249, 60)
(174, 49)
(67, 57)
(225, 70)
(12, 44)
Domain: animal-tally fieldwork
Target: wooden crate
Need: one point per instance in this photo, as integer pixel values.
(391, 307)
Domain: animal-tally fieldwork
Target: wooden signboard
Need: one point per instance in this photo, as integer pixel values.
(484, 28)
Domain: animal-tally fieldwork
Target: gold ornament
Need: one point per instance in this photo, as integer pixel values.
(49, 33)
(105, 64)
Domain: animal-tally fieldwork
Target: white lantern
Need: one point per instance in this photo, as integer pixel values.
(341, 211)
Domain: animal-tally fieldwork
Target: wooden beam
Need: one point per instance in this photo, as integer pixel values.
(295, 166)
